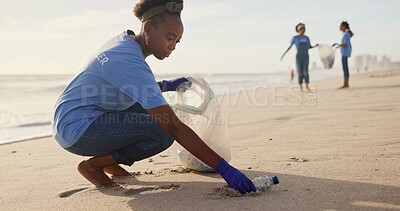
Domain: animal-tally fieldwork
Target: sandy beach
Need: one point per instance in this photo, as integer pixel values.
(331, 149)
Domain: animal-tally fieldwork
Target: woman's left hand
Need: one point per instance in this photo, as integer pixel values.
(172, 85)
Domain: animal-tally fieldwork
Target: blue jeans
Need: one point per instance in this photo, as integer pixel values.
(345, 65)
(130, 135)
(302, 69)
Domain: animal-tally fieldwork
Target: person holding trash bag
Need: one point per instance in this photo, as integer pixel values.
(346, 49)
(303, 44)
(114, 109)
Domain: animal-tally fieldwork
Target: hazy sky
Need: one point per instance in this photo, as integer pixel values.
(224, 36)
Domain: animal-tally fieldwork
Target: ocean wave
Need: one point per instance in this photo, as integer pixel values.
(57, 88)
(33, 124)
(26, 138)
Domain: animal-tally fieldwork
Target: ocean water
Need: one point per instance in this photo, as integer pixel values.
(26, 105)
(27, 101)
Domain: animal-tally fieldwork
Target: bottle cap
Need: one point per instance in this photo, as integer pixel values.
(275, 180)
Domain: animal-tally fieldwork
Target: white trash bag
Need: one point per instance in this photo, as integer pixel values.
(196, 107)
(327, 54)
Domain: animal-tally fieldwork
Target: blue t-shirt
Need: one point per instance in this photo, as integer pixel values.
(115, 79)
(302, 43)
(346, 52)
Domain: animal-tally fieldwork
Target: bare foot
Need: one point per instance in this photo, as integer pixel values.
(116, 170)
(343, 87)
(95, 175)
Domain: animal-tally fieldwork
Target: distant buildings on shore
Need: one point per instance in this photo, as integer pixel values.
(363, 63)
(368, 62)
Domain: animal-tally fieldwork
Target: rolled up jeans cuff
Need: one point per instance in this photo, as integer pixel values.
(121, 160)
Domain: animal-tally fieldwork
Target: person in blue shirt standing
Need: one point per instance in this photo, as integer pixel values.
(114, 110)
(346, 49)
(303, 44)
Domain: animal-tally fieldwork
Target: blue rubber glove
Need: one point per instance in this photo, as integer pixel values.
(172, 85)
(236, 179)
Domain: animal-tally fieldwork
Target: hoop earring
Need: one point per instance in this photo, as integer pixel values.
(146, 39)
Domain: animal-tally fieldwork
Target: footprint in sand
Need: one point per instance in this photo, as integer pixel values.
(156, 189)
(283, 118)
(69, 193)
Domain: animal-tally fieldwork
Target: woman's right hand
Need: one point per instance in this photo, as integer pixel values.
(235, 178)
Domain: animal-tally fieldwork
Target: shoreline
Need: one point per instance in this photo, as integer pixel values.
(27, 139)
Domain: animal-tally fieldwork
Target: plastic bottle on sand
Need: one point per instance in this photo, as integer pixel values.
(264, 183)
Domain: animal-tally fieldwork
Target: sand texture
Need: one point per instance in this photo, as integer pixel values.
(331, 149)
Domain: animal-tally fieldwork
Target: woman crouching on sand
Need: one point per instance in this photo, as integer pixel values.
(114, 110)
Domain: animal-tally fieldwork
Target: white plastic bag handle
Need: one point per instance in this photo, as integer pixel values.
(209, 94)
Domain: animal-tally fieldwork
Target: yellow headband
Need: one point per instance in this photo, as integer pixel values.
(170, 7)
